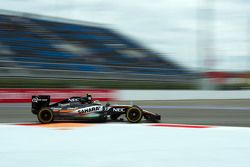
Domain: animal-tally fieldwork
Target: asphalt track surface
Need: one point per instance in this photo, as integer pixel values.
(198, 112)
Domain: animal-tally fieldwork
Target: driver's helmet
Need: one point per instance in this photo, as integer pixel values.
(89, 98)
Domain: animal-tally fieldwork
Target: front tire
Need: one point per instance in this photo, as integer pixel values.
(134, 115)
(45, 116)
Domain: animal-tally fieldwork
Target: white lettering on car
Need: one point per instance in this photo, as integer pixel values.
(36, 100)
(73, 100)
(89, 109)
(118, 109)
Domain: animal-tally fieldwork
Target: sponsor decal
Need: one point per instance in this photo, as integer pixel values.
(89, 109)
(118, 109)
(73, 100)
(36, 100)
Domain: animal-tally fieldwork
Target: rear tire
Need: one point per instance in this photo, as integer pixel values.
(45, 115)
(134, 115)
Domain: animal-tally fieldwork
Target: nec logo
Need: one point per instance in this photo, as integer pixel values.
(73, 100)
(118, 109)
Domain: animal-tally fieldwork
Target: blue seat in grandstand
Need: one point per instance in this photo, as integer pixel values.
(63, 66)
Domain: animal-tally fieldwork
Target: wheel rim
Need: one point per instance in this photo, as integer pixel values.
(46, 116)
(134, 115)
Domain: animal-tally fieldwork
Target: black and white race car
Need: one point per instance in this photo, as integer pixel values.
(84, 109)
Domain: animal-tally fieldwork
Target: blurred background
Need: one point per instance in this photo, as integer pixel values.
(125, 44)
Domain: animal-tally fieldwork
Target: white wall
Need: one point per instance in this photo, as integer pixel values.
(181, 94)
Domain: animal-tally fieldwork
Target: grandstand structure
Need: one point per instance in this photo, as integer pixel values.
(46, 47)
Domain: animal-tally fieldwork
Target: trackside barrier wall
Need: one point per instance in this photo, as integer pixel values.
(24, 95)
(182, 94)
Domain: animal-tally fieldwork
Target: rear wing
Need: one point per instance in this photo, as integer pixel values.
(39, 102)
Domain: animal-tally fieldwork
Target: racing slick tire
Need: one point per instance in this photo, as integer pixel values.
(45, 115)
(134, 114)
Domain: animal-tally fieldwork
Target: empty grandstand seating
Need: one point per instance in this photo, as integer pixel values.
(39, 43)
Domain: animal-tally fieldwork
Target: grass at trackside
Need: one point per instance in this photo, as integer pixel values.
(108, 84)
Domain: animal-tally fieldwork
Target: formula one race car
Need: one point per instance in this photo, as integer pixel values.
(84, 109)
